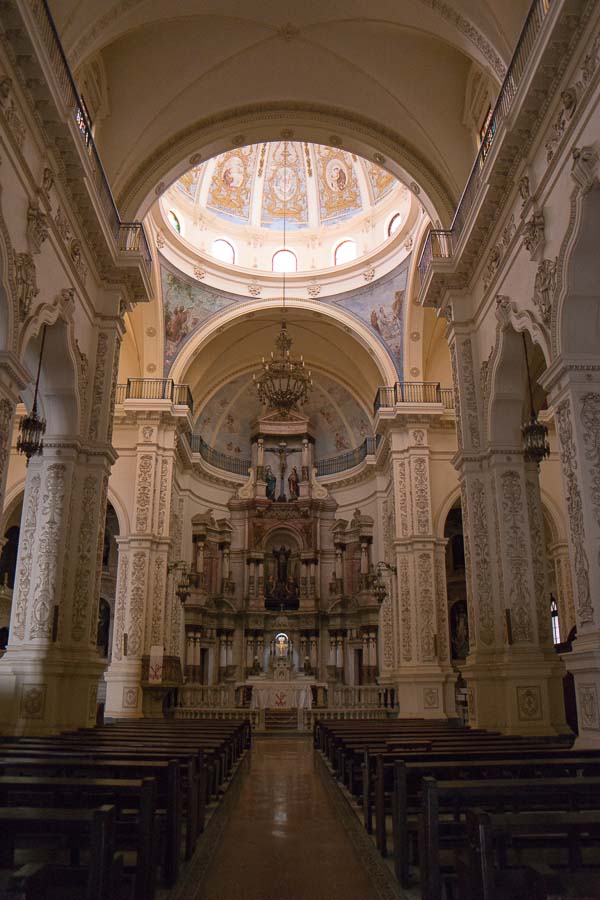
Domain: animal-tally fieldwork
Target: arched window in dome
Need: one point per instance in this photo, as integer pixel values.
(223, 251)
(344, 252)
(285, 261)
(174, 221)
(394, 224)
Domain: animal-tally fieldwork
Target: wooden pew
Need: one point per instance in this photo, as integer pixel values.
(456, 797)
(134, 801)
(167, 788)
(489, 833)
(94, 829)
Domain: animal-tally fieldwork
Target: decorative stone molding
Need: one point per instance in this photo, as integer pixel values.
(137, 595)
(26, 282)
(254, 289)
(76, 254)
(33, 701)
(11, 113)
(584, 170)
(534, 237)
(49, 545)
(545, 289)
(569, 100)
(99, 385)
(524, 189)
(369, 274)
(514, 552)
(568, 457)
(85, 554)
(314, 289)
(143, 493)
(590, 419)
(62, 225)
(588, 705)
(37, 227)
(425, 608)
(199, 272)
(421, 495)
(476, 509)
(529, 703)
(469, 395)
(27, 537)
(492, 265)
(405, 608)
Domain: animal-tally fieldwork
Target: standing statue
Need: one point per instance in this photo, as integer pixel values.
(282, 555)
(271, 480)
(294, 484)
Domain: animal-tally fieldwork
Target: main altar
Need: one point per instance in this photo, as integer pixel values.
(281, 606)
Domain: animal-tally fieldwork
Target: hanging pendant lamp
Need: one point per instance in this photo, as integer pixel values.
(535, 434)
(32, 427)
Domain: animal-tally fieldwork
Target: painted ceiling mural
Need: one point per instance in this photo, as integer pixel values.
(339, 422)
(188, 303)
(322, 186)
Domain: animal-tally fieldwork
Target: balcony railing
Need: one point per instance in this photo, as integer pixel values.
(335, 464)
(155, 389)
(129, 237)
(441, 244)
(413, 392)
(217, 458)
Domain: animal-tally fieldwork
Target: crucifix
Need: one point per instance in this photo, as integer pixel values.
(283, 452)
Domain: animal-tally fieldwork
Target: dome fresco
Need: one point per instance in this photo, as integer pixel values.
(320, 186)
(339, 422)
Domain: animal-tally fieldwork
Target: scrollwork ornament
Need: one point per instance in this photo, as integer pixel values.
(425, 584)
(48, 548)
(27, 537)
(568, 457)
(590, 419)
(405, 608)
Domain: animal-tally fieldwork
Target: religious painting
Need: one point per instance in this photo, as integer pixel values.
(188, 183)
(230, 191)
(339, 190)
(380, 181)
(284, 186)
(381, 305)
(186, 304)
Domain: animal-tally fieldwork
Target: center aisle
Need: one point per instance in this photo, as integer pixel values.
(284, 838)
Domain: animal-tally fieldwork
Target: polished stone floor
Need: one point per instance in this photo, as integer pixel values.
(284, 839)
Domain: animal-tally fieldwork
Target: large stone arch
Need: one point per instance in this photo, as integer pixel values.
(274, 121)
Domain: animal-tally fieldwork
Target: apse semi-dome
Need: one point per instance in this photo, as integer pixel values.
(338, 208)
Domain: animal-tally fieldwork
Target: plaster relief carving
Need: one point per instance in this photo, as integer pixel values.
(425, 586)
(113, 388)
(405, 609)
(7, 410)
(11, 113)
(515, 551)
(27, 289)
(431, 698)
(33, 701)
(387, 629)
(492, 266)
(158, 597)
(37, 227)
(62, 225)
(584, 170)
(534, 237)
(137, 596)
(529, 703)
(83, 378)
(484, 615)
(147, 433)
(28, 523)
(470, 397)
(590, 419)
(48, 548)
(536, 533)
(568, 457)
(162, 495)
(117, 650)
(99, 385)
(544, 289)
(421, 493)
(143, 493)
(442, 605)
(524, 189)
(130, 697)
(403, 500)
(455, 383)
(93, 619)
(85, 566)
(468, 541)
(588, 704)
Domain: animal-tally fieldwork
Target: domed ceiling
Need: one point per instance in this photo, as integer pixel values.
(319, 186)
(338, 420)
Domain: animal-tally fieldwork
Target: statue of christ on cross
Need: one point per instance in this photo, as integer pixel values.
(283, 451)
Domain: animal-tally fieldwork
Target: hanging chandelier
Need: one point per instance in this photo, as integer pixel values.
(284, 381)
(32, 427)
(535, 434)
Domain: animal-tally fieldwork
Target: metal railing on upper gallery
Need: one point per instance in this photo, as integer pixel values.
(348, 459)
(129, 237)
(217, 458)
(155, 389)
(440, 244)
(413, 392)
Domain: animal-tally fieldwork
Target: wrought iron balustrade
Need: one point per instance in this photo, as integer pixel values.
(129, 237)
(217, 458)
(155, 389)
(413, 392)
(441, 244)
(335, 464)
